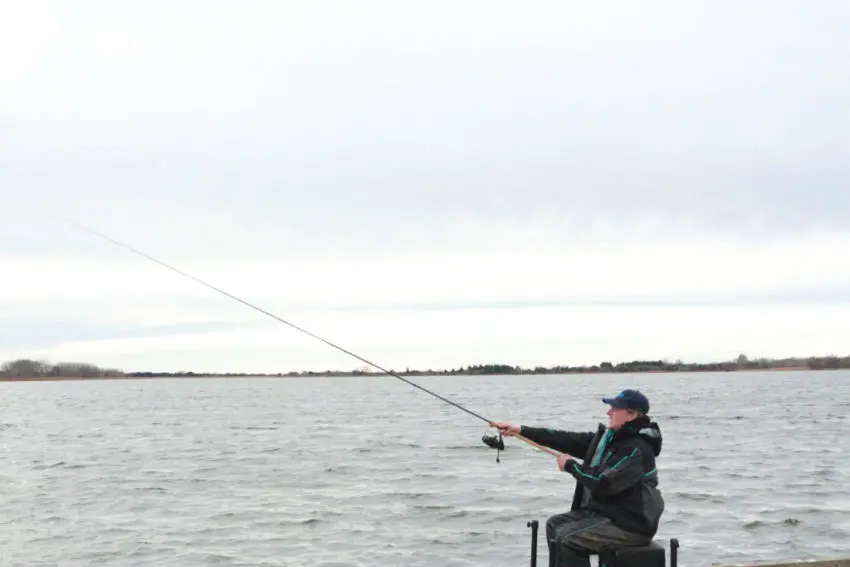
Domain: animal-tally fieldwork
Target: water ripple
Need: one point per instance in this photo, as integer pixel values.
(333, 472)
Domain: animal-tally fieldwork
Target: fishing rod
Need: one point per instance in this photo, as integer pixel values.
(490, 441)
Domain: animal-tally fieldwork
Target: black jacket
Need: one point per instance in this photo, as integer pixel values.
(623, 486)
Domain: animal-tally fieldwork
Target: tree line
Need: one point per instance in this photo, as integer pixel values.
(28, 368)
(740, 363)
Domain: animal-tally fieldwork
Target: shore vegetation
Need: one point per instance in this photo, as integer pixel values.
(29, 369)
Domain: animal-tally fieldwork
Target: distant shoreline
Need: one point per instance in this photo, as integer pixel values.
(380, 374)
(28, 370)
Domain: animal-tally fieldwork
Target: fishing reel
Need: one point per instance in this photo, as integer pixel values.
(494, 442)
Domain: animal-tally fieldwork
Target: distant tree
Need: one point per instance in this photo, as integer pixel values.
(26, 368)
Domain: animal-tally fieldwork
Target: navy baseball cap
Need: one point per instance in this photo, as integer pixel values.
(629, 399)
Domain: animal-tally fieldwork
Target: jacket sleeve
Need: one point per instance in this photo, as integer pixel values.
(570, 442)
(622, 469)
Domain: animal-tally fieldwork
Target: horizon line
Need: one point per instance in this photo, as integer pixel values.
(45, 369)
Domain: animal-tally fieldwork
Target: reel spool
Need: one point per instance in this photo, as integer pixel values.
(494, 442)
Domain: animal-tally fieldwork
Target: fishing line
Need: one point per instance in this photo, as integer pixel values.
(488, 440)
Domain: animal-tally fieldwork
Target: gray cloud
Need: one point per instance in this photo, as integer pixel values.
(37, 330)
(351, 126)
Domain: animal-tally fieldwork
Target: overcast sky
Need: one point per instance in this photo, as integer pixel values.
(428, 184)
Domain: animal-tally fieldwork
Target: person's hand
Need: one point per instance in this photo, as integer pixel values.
(563, 460)
(507, 429)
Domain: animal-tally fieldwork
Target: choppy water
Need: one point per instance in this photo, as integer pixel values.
(372, 472)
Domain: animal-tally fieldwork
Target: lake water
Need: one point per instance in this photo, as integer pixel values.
(373, 472)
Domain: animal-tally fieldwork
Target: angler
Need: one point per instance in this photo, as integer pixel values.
(616, 503)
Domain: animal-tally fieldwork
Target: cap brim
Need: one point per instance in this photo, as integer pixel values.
(613, 402)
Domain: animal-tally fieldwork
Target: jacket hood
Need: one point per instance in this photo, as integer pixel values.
(649, 430)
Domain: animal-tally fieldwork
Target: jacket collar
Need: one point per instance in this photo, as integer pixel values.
(633, 427)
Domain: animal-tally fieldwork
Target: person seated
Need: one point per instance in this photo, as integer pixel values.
(617, 502)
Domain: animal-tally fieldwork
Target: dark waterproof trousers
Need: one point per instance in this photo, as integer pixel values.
(573, 536)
